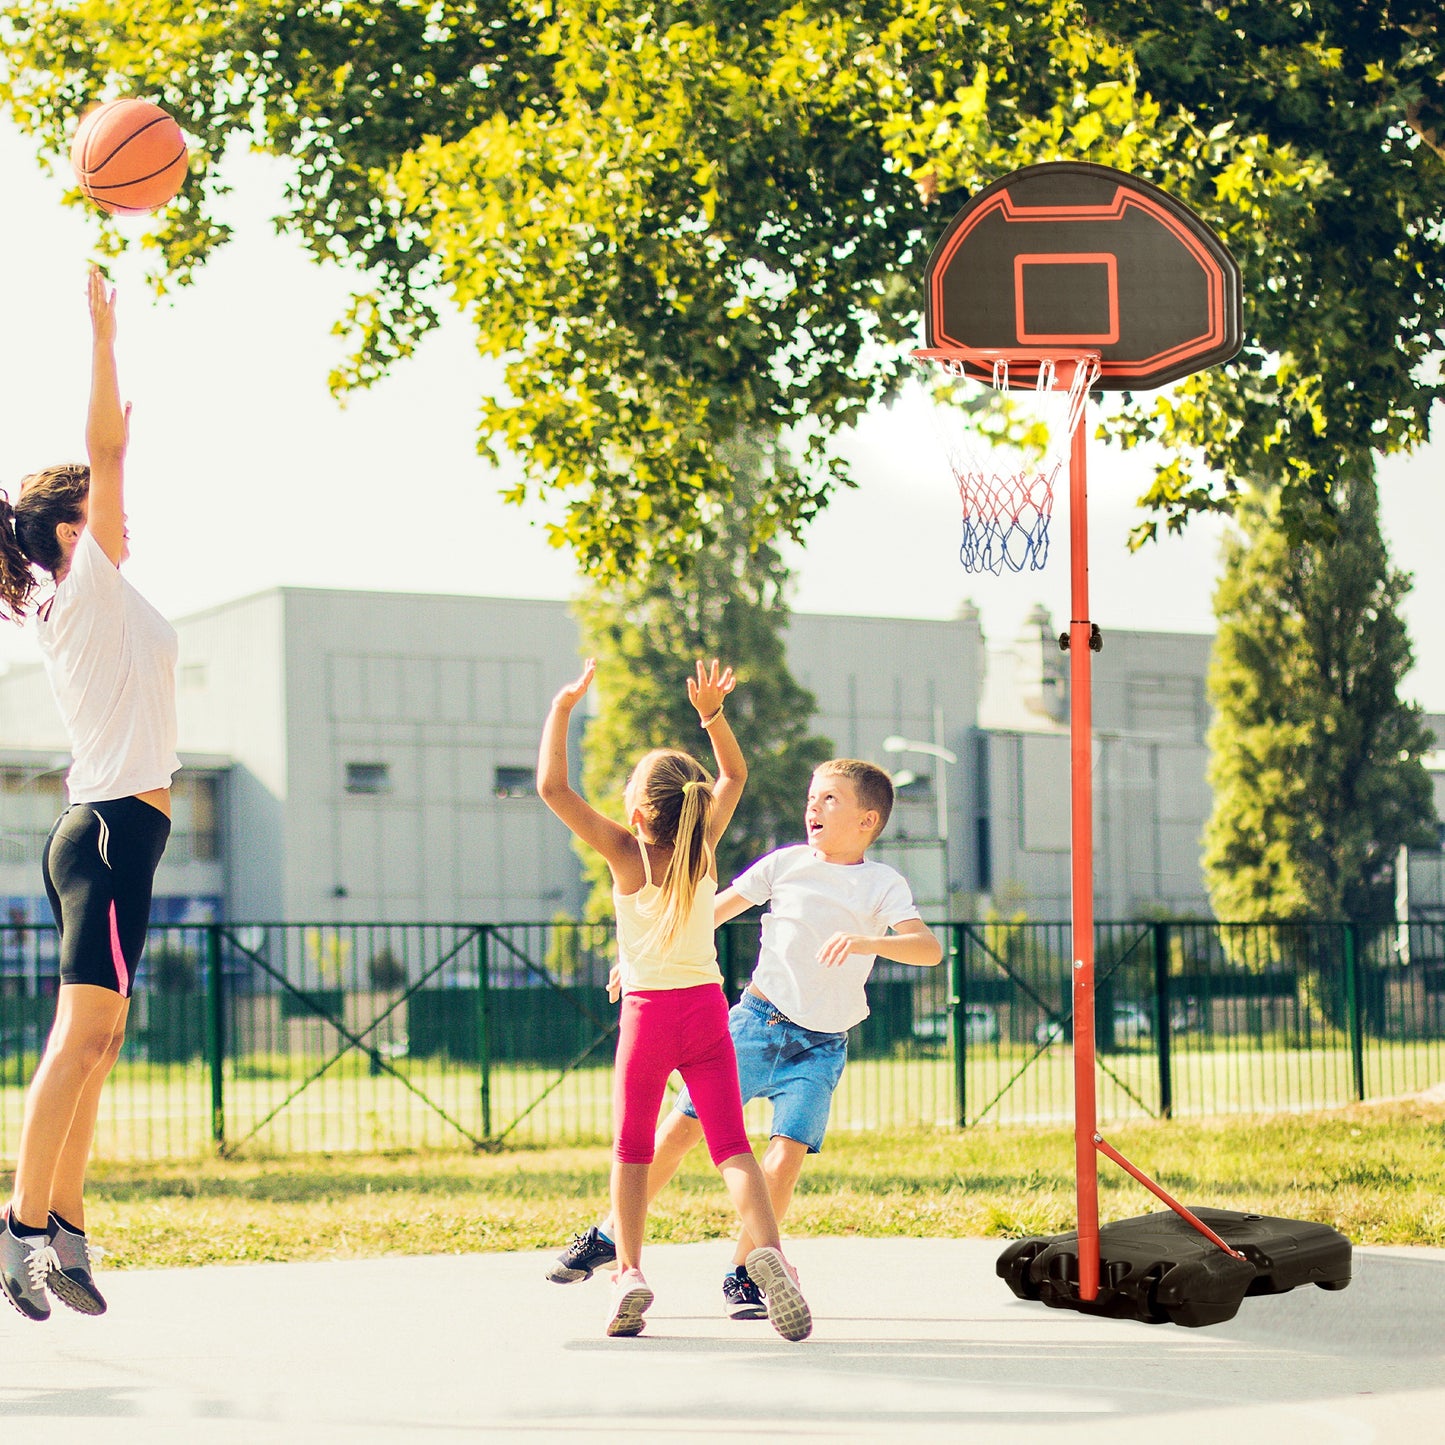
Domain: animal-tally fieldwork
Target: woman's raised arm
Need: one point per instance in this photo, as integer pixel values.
(107, 426)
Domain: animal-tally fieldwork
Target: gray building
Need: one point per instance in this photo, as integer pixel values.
(372, 755)
(1151, 801)
(357, 756)
(382, 749)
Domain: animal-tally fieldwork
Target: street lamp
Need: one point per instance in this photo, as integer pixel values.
(896, 744)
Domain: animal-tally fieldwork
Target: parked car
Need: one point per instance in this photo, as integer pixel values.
(1131, 1024)
(1048, 1030)
(1186, 1015)
(980, 1025)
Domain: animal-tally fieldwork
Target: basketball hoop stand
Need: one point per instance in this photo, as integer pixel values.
(1178, 1267)
(1084, 639)
(1068, 260)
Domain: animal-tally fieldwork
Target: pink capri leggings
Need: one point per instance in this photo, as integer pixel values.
(684, 1029)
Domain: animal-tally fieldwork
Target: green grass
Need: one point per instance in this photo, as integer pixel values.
(1375, 1172)
(160, 1112)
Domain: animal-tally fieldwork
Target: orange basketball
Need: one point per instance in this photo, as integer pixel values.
(129, 156)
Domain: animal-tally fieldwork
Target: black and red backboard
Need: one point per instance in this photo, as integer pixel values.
(1070, 256)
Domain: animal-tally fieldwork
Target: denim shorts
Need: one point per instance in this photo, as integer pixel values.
(795, 1067)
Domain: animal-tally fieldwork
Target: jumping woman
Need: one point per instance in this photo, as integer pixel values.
(110, 657)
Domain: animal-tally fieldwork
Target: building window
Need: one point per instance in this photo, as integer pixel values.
(30, 798)
(368, 777)
(195, 817)
(515, 782)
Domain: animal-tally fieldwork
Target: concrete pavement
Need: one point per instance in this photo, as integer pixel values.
(914, 1340)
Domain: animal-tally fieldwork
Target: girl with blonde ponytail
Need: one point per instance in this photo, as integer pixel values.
(674, 1014)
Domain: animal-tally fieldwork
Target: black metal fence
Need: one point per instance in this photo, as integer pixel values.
(287, 1038)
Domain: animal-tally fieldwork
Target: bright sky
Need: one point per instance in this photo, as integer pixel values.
(245, 474)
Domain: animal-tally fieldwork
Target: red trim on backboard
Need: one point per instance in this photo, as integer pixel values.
(1107, 259)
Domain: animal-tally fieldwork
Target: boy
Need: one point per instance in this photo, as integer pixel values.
(832, 912)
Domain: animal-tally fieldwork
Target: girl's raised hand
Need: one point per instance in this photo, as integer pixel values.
(571, 694)
(707, 690)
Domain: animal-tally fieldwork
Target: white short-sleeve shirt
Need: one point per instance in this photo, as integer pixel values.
(111, 661)
(811, 900)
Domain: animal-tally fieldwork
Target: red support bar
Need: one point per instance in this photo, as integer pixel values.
(1108, 1150)
(1081, 773)
(1088, 1143)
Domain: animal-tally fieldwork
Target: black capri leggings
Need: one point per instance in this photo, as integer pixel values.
(100, 866)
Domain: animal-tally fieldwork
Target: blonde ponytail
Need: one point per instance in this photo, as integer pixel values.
(677, 796)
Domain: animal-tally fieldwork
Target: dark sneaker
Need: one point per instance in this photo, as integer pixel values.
(787, 1309)
(742, 1299)
(70, 1279)
(25, 1261)
(586, 1253)
(630, 1299)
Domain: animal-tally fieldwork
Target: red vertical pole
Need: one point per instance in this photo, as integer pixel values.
(1081, 777)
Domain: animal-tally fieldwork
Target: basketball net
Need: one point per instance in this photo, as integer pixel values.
(1007, 509)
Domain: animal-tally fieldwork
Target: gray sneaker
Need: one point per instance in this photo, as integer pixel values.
(25, 1262)
(586, 1253)
(742, 1299)
(70, 1279)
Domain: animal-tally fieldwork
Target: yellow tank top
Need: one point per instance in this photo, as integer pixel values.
(689, 960)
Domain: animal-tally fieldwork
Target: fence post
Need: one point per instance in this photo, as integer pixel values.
(1163, 1027)
(216, 1033)
(484, 1055)
(725, 957)
(958, 1022)
(1352, 1006)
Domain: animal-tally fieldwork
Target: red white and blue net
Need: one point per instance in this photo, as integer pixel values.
(1008, 499)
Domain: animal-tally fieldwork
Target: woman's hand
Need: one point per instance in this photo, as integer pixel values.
(707, 690)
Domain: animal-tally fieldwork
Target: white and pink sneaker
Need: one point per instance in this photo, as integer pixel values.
(631, 1296)
(788, 1311)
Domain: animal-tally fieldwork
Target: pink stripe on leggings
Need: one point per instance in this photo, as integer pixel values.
(117, 956)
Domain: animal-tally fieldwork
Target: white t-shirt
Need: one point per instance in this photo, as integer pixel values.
(811, 901)
(111, 660)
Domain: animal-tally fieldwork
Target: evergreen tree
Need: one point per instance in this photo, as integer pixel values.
(646, 632)
(1315, 760)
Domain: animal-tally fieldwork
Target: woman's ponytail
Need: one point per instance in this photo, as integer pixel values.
(27, 531)
(17, 581)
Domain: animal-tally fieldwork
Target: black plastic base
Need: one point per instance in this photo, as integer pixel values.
(1160, 1269)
